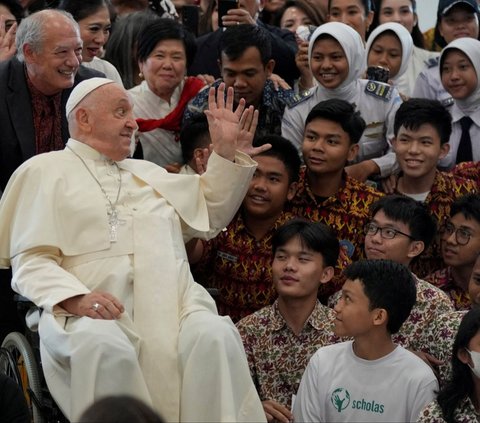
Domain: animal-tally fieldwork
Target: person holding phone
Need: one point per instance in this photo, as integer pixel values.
(283, 41)
(390, 48)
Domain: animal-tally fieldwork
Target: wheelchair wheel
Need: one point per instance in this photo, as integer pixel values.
(24, 371)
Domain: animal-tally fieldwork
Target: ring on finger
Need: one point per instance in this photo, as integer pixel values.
(96, 306)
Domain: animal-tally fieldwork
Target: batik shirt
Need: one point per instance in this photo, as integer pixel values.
(446, 188)
(443, 279)
(430, 304)
(464, 413)
(239, 267)
(438, 341)
(270, 111)
(276, 356)
(346, 213)
(468, 170)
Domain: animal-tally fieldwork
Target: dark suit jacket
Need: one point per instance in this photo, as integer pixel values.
(284, 48)
(17, 137)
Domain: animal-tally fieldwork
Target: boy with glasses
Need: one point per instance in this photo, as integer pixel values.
(400, 230)
(422, 130)
(460, 246)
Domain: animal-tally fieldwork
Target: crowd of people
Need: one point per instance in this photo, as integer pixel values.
(269, 211)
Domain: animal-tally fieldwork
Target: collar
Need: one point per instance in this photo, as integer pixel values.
(85, 151)
(317, 319)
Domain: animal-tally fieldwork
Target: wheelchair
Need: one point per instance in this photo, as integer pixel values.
(20, 360)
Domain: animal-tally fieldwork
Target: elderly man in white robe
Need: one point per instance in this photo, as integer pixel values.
(97, 241)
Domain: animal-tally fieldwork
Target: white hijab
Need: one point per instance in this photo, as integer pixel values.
(405, 40)
(352, 45)
(471, 48)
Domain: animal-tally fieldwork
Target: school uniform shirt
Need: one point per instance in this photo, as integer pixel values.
(346, 213)
(468, 170)
(418, 61)
(429, 85)
(376, 102)
(469, 106)
(339, 386)
(443, 279)
(464, 413)
(438, 341)
(277, 357)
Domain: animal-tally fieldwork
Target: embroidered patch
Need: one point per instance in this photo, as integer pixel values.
(432, 62)
(298, 98)
(379, 90)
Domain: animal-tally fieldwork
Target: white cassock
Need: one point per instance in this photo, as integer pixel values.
(169, 348)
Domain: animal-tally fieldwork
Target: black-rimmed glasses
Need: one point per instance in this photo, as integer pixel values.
(387, 233)
(462, 236)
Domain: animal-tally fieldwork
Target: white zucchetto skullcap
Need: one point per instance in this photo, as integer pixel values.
(82, 90)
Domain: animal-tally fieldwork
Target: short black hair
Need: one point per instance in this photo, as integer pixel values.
(388, 285)
(341, 112)
(236, 39)
(314, 236)
(193, 135)
(283, 150)
(468, 205)
(412, 213)
(161, 30)
(367, 5)
(84, 8)
(417, 111)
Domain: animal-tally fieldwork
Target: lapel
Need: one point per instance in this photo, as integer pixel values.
(20, 109)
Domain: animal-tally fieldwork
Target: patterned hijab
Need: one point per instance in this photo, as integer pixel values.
(352, 45)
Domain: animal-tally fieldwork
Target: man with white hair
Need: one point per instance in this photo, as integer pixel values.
(34, 87)
(97, 241)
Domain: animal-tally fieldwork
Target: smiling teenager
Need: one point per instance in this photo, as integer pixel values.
(336, 56)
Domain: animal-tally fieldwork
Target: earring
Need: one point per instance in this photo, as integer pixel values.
(140, 75)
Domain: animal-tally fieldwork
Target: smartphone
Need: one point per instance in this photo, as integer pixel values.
(190, 16)
(377, 73)
(223, 7)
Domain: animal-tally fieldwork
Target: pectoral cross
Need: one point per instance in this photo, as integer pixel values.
(114, 222)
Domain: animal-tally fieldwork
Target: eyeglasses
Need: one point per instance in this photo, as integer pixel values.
(462, 236)
(386, 233)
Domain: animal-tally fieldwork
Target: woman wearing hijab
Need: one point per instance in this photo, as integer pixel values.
(390, 46)
(337, 60)
(405, 12)
(460, 75)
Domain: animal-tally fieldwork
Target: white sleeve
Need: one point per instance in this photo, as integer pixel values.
(423, 88)
(307, 403)
(293, 127)
(424, 395)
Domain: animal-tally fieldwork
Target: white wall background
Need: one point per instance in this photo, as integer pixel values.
(427, 13)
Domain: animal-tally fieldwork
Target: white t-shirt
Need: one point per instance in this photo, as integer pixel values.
(338, 386)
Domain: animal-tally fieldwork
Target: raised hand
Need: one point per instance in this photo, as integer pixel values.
(248, 126)
(7, 40)
(223, 121)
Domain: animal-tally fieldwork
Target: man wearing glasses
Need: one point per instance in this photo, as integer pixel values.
(460, 246)
(400, 229)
